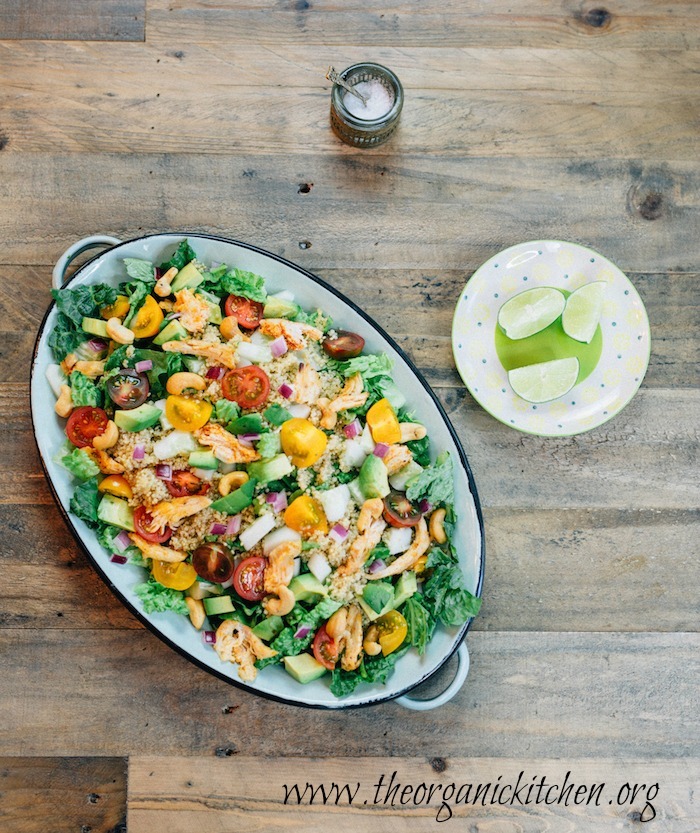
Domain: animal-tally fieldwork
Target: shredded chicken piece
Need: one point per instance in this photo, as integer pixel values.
(156, 551)
(371, 510)
(278, 574)
(105, 463)
(419, 546)
(307, 385)
(194, 311)
(373, 525)
(294, 332)
(172, 512)
(345, 628)
(225, 445)
(220, 353)
(236, 642)
(396, 458)
(351, 396)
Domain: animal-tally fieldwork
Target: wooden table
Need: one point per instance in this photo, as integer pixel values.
(558, 119)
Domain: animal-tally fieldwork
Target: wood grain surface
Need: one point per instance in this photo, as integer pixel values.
(561, 119)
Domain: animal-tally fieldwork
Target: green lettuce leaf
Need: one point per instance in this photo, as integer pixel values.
(181, 257)
(420, 623)
(269, 445)
(247, 284)
(445, 592)
(65, 337)
(83, 301)
(84, 391)
(158, 599)
(84, 502)
(140, 270)
(434, 484)
(286, 644)
(226, 411)
(137, 292)
(79, 463)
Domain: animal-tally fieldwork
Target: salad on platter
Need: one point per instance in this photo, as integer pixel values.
(265, 472)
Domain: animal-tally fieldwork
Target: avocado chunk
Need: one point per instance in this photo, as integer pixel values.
(116, 511)
(215, 316)
(203, 460)
(304, 668)
(307, 588)
(137, 418)
(95, 326)
(216, 605)
(247, 424)
(279, 308)
(189, 277)
(373, 478)
(237, 501)
(378, 594)
(269, 628)
(273, 469)
(173, 331)
(406, 586)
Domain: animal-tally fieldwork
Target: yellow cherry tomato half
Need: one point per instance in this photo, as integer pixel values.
(392, 631)
(187, 414)
(302, 442)
(383, 423)
(148, 319)
(178, 576)
(115, 484)
(306, 516)
(419, 566)
(118, 309)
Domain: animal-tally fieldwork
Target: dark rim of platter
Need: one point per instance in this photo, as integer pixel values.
(370, 701)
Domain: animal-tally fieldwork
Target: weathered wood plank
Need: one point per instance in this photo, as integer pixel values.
(500, 24)
(528, 694)
(550, 570)
(178, 795)
(413, 213)
(63, 795)
(90, 20)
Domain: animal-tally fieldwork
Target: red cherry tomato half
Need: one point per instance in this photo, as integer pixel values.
(86, 423)
(142, 518)
(185, 484)
(213, 562)
(247, 312)
(249, 578)
(346, 345)
(325, 649)
(247, 386)
(399, 511)
(128, 389)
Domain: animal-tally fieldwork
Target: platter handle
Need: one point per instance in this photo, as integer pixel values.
(65, 260)
(448, 693)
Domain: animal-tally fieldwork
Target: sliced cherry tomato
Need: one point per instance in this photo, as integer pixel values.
(213, 562)
(249, 578)
(346, 345)
(302, 442)
(115, 484)
(393, 630)
(142, 518)
(305, 515)
(178, 576)
(86, 423)
(186, 413)
(128, 389)
(399, 511)
(247, 386)
(383, 423)
(325, 648)
(247, 312)
(185, 484)
(118, 309)
(148, 319)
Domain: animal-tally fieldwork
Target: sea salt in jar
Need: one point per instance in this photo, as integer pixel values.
(370, 123)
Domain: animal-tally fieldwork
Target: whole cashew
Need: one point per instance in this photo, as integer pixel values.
(412, 431)
(231, 481)
(336, 625)
(196, 611)
(437, 527)
(118, 332)
(108, 438)
(64, 404)
(370, 644)
(179, 382)
(162, 287)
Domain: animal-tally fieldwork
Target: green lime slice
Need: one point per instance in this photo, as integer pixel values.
(582, 311)
(544, 381)
(531, 311)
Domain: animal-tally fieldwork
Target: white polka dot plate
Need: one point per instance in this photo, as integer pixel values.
(612, 366)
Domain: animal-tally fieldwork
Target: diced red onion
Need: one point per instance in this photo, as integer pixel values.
(339, 533)
(278, 500)
(122, 541)
(424, 506)
(377, 565)
(380, 450)
(143, 366)
(171, 316)
(215, 372)
(209, 637)
(302, 632)
(278, 347)
(233, 526)
(354, 429)
(96, 345)
(164, 471)
(139, 452)
(119, 559)
(218, 529)
(286, 390)
(248, 439)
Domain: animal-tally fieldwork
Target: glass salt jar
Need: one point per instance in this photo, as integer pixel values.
(369, 123)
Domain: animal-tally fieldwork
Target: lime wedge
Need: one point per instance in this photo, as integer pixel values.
(544, 381)
(582, 312)
(531, 311)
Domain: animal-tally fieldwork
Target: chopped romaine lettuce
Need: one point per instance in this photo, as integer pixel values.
(158, 599)
(434, 484)
(84, 391)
